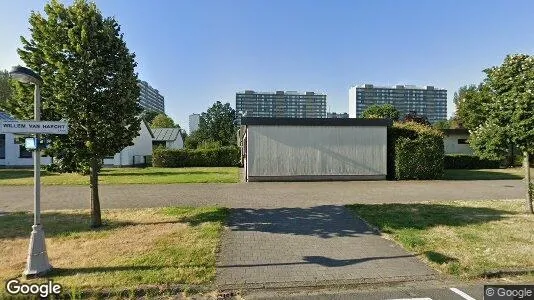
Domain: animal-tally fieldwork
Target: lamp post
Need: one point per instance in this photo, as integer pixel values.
(37, 263)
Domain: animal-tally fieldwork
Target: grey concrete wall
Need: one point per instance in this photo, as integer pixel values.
(452, 147)
(316, 150)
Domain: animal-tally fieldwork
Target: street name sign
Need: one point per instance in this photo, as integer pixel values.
(36, 127)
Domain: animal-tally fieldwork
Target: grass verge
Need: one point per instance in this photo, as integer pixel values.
(136, 247)
(484, 174)
(125, 176)
(467, 239)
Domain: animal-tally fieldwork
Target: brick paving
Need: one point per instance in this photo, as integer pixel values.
(317, 245)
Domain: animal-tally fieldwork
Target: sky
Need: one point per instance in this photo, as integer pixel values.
(196, 52)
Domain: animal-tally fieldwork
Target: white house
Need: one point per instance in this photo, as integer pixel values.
(171, 138)
(455, 141)
(135, 154)
(13, 155)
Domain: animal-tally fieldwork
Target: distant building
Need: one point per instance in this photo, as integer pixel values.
(427, 101)
(171, 138)
(455, 141)
(194, 122)
(150, 98)
(337, 115)
(281, 104)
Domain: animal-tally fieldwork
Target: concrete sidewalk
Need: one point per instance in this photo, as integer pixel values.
(259, 195)
(314, 246)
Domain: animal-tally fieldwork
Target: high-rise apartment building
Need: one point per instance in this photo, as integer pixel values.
(427, 101)
(194, 122)
(281, 104)
(150, 98)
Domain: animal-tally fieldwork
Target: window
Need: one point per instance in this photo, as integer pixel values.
(462, 142)
(24, 153)
(2, 146)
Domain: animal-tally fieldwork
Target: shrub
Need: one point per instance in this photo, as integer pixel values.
(214, 157)
(463, 161)
(415, 151)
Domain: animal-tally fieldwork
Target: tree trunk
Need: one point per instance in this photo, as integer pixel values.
(526, 165)
(96, 218)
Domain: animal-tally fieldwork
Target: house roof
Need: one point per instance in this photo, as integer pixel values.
(315, 121)
(455, 131)
(166, 134)
(5, 117)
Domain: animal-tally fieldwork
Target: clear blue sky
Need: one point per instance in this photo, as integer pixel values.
(197, 52)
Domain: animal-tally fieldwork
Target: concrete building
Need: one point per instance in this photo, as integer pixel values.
(194, 122)
(171, 138)
(14, 155)
(281, 104)
(289, 149)
(455, 141)
(427, 101)
(150, 98)
(334, 115)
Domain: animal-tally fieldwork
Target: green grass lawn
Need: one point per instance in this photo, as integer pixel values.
(484, 174)
(467, 239)
(125, 176)
(136, 247)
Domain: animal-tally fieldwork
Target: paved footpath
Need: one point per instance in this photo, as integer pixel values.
(320, 245)
(259, 195)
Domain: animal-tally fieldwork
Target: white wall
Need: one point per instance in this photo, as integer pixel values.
(316, 150)
(12, 154)
(452, 147)
(142, 146)
(176, 144)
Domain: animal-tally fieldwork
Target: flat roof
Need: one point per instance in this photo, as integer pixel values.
(315, 121)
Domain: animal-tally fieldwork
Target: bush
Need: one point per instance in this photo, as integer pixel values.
(214, 157)
(463, 161)
(415, 151)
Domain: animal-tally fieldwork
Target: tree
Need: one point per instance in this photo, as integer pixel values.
(163, 121)
(5, 87)
(216, 125)
(451, 123)
(149, 115)
(414, 117)
(89, 80)
(510, 114)
(470, 109)
(384, 111)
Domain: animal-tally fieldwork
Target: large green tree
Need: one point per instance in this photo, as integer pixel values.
(216, 125)
(470, 101)
(510, 113)
(5, 87)
(89, 80)
(163, 121)
(149, 115)
(385, 111)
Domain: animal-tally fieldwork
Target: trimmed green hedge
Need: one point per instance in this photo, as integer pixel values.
(464, 161)
(215, 157)
(416, 151)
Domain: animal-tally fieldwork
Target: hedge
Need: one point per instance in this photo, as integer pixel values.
(464, 161)
(416, 151)
(179, 158)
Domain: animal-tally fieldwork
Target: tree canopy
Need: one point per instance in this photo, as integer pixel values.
(88, 79)
(384, 111)
(216, 125)
(163, 121)
(5, 87)
(470, 101)
(509, 112)
(149, 115)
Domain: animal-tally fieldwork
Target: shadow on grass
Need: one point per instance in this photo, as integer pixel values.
(418, 216)
(463, 174)
(57, 224)
(60, 272)
(125, 174)
(21, 173)
(439, 258)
